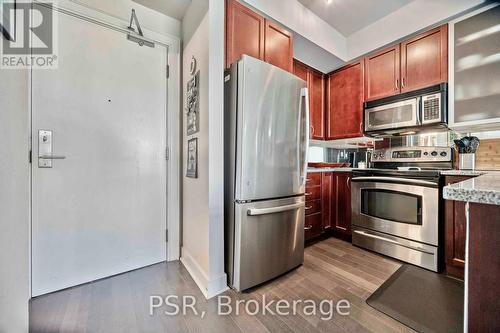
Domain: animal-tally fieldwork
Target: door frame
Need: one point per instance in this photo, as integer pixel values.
(173, 118)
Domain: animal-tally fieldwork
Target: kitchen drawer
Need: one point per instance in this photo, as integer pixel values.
(312, 226)
(313, 179)
(313, 207)
(313, 193)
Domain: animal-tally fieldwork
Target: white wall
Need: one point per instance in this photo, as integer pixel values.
(194, 252)
(416, 16)
(301, 20)
(203, 198)
(14, 166)
(121, 9)
(218, 278)
(314, 56)
(194, 15)
(14, 201)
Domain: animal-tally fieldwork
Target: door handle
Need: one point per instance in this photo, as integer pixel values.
(395, 180)
(272, 210)
(52, 157)
(304, 96)
(45, 156)
(362, 233)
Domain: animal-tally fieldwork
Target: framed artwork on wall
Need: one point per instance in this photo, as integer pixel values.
(193, 104)
(192, 158)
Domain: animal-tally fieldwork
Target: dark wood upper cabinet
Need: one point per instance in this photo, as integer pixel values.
(382, 73)
(249, 33)
(245, 31)
(316, 85)
(278, 49)
(301, 70)
(317, 104)
(454, 212)
(344, 116)
(424, 59)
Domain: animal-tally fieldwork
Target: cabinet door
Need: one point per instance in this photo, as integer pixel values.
(278, 49)
(424, 59)
(382, 71)
(244, 32)
(455, 233)
(312, 226)
(343, 204)
(317, 105)
(327, 199)
(344, 115)
(301, 70)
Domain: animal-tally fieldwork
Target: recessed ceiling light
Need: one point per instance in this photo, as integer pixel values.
(328, 2)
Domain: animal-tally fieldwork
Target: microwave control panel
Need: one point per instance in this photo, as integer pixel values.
(431, 108)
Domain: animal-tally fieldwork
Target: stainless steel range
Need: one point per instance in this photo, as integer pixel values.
(397, 206)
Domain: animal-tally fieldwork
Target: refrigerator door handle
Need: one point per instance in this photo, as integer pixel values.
(304, 98)
(272, 210)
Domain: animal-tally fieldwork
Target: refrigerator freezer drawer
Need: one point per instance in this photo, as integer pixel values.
(268, 240)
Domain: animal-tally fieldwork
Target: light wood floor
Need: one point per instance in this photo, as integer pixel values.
(332, 269)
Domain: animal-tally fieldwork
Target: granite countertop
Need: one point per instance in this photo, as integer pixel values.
(484, 189)
(311, 170)
(463, 173)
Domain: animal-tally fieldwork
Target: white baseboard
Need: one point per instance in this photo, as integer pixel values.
(209, 288)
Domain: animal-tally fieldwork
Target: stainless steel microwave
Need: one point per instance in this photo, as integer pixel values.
(409, 113)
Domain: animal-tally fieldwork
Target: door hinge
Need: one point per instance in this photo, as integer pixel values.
(166, 235)
(168, 71)
(167, 153)
(30, 156)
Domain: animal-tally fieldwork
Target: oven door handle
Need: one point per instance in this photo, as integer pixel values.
(362, 233)
(395, 180)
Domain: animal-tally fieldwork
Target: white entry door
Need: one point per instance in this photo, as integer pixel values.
(101, 210)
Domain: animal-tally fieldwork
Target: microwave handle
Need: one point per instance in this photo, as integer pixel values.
(419, 110)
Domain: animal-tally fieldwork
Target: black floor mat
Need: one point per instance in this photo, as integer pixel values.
(423, 300)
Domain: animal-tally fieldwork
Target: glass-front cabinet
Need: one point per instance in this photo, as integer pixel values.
(474, 60)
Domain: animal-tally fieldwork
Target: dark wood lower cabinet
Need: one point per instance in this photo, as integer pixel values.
(342, 201)
(326, 199)
(313, 226)
(454, 212)
(328, 205)
(484, 268)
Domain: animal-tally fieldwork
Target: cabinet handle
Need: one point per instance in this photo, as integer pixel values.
(308, 194)
(308, 207)
(402, 82)
(397, 84)
(309, 227)
(348, 182)
(312, 130)
(361, 127)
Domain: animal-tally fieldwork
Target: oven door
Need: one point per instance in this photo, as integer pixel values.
(392, 116)
(405, 208)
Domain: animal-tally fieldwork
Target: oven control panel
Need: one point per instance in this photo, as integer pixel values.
(413, 154)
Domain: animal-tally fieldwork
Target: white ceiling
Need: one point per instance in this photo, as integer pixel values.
(349, 16)
(172, 8)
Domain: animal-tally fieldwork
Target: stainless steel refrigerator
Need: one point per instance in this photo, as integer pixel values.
(266, 144)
